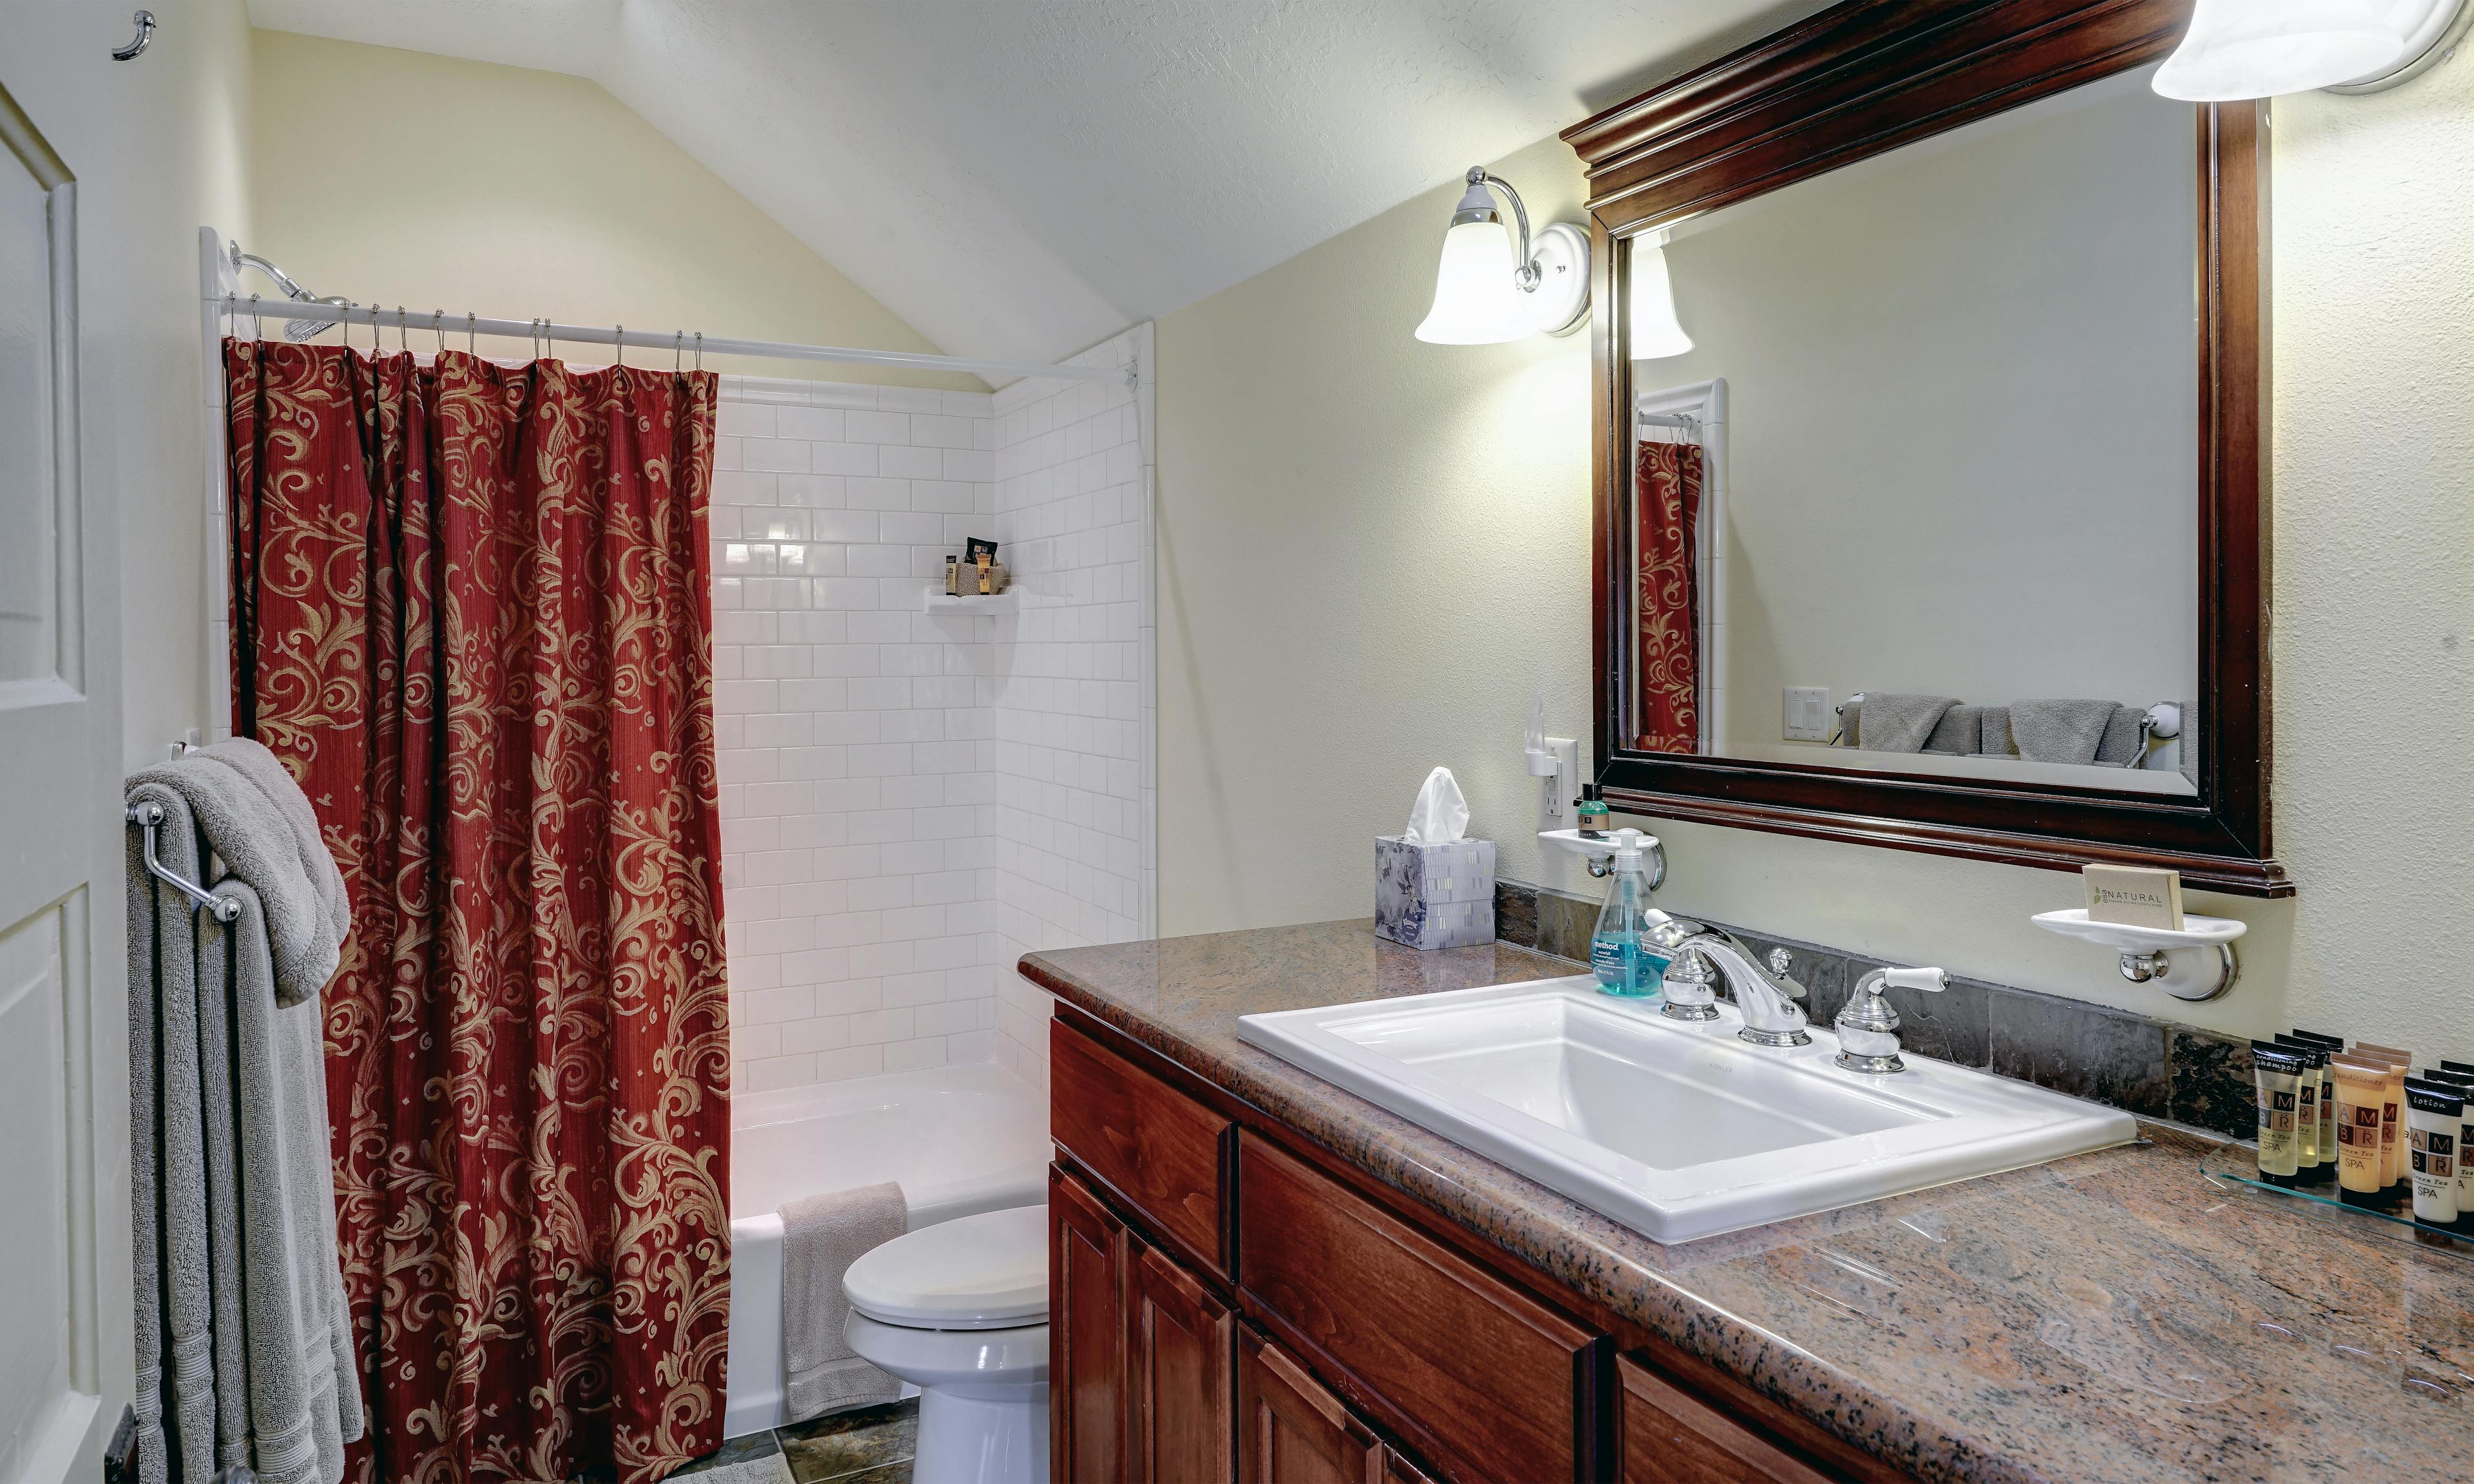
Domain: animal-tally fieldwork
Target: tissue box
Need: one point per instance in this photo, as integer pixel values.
(1434, 896)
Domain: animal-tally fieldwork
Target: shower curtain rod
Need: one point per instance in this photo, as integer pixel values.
(685, 343)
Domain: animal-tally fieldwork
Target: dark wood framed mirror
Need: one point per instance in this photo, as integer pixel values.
(1954, 122)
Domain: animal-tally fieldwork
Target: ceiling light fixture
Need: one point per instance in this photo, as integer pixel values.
(1656, 332)
(1485, 293)
(2236, 49)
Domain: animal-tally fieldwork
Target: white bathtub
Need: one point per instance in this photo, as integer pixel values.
(959, 1140)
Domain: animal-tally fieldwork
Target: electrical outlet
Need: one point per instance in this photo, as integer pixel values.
(1808, 713)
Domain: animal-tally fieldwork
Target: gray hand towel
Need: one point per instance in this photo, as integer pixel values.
(1892, 723)
(2059, 731)
(260, 823)
(821, 1236)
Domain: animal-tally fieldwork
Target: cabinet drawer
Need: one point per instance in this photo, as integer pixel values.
(1669, 1438)
(1482, 1378)
(1159, 1150)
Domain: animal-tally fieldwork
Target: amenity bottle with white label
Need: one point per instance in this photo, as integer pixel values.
(1624, 962)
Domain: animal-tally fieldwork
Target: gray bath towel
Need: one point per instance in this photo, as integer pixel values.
(244, 1348)
(169, 1225)
(821, 1236)
(2059, 731)
(1995, 728)
(260, 823)
(1891, 723)
(2121, 746)
(1959, 732)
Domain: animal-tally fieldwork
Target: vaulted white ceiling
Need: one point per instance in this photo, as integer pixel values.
(1020, 178)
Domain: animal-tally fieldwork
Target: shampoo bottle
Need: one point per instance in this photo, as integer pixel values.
(1624, 963)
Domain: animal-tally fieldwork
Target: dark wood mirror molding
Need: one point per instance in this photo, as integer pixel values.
(1850, 82)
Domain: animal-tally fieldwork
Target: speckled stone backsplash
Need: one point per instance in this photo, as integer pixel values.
(2155, 1068)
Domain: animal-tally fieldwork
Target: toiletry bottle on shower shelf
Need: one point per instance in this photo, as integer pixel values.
(1624, 963)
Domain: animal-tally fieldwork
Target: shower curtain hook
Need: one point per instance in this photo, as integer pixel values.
(257, 330)
(699, 349)
(437, 328)
(678, 353)
(619, 347)
(472, 333)
(403, 330)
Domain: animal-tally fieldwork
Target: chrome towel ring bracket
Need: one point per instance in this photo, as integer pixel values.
(149, 817)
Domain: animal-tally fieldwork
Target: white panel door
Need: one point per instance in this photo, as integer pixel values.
(62, 1149)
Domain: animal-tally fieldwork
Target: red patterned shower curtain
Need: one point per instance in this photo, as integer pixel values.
(1666, 520)
(472, 612)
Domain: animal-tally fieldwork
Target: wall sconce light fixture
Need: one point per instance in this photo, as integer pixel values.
(2259, 48)
(1485, 293)
(1656, 332)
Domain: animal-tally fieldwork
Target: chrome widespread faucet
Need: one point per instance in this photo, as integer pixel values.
(1766, 994)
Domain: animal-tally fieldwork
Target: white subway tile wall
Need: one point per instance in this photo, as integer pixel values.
(1075, 773)
(854, 731)
(911, 802)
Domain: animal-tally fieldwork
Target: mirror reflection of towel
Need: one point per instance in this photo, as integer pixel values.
(2059, 731)
(1892, 723)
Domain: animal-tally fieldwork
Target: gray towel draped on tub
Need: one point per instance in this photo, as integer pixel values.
(244, 1345)
(821, 1236)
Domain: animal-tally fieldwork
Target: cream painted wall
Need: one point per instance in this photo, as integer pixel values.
(1371, 550)
(440, 183)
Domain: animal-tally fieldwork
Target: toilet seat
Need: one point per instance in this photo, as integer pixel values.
(984, 1272)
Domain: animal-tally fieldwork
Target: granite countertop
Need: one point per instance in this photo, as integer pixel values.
(2113, 1317)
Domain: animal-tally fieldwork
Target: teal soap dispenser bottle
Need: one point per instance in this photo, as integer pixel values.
(1625, 961)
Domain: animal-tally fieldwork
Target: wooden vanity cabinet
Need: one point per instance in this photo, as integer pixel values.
(1293, 1429)
(1181, 1345)
(1224, 1303)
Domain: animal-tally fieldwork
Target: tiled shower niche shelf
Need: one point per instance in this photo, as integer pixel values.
(973, 603)
(2239, 1164)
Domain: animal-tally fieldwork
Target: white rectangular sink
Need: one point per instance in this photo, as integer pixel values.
(1676, 1129)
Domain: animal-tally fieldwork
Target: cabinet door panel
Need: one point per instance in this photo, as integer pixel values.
(1669, 1438)
(1184, 1420)
(1293, 1430)
(1483, 1379)
(1089, 1396)
(1157, 1148)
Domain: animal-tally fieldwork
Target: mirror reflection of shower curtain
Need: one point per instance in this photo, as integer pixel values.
(1667, 629)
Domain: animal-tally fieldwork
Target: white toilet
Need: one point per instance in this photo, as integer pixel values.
(959, 1310)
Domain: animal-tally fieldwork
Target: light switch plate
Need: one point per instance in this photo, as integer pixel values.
(1808, 713)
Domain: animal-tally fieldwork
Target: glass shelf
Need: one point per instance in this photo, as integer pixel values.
(2391, 1210)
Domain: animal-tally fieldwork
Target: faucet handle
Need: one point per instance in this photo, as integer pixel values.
(1867, 1027)
(1780, 961)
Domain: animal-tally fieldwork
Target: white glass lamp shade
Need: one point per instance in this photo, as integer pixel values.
(2261, 48)
(1656, 332)
(1476, 300)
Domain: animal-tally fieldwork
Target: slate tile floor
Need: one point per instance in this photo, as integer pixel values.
(871, 1446)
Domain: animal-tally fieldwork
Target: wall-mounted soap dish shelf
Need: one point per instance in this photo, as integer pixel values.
(2195, 964)
(973, 603)
(2389, 1212)
(1601, 853)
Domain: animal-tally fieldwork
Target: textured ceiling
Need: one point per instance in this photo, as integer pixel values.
(1020, 178)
